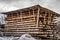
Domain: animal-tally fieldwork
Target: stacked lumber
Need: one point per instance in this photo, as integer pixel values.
(36, 20)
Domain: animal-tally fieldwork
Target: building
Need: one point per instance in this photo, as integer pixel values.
(36, 20)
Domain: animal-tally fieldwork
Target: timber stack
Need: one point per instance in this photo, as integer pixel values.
(36, 21)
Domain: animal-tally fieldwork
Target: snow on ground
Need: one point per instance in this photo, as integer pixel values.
(23, 37)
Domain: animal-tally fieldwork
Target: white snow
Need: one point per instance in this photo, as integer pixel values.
(23, 37)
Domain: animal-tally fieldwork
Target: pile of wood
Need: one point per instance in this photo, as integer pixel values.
(35, 20)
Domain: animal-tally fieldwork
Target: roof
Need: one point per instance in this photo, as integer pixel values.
(33, 7)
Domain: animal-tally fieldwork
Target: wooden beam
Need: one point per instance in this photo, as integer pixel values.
(34, 16)
(38, 18)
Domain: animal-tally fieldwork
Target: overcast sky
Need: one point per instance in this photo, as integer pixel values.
(9, 5)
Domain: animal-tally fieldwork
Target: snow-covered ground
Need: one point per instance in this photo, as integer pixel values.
(23, 37)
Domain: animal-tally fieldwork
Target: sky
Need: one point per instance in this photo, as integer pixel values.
(9, 5)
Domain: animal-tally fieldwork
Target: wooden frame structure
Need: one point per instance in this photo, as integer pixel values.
(35, 20)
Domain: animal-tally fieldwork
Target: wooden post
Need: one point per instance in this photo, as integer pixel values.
(45, 18)
(21, 18)
(34, 16)
(38, 17)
